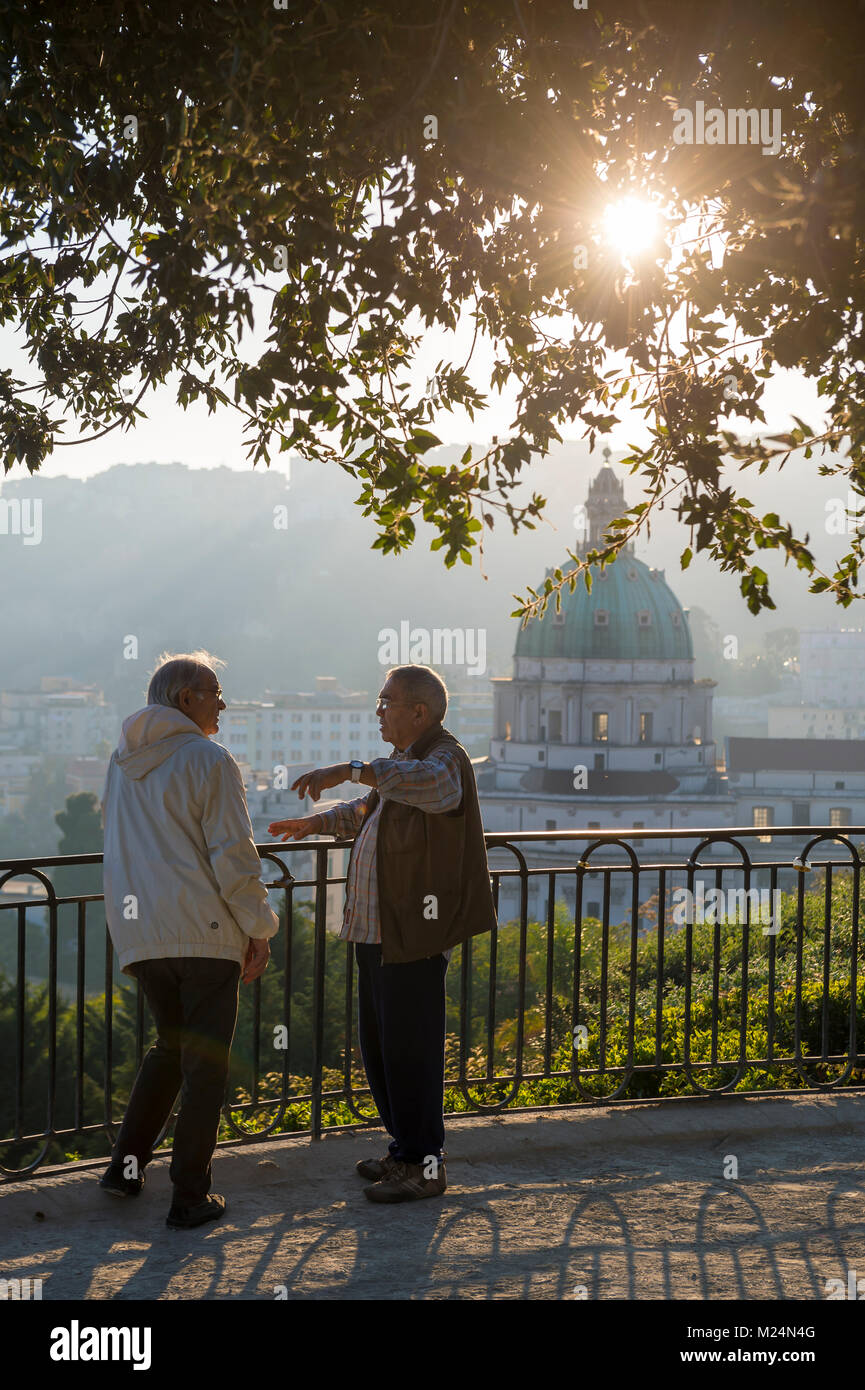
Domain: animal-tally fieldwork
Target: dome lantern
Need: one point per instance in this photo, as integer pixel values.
(631, 612)
(605, 502)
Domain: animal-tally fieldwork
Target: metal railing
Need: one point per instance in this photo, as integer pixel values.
(604, 983)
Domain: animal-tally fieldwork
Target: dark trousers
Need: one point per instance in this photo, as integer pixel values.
(194, 1006)
(401, 1025)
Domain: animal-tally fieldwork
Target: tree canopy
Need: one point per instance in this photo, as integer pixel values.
(362, 173)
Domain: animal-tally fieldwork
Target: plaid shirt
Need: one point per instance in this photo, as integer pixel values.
(433, 784)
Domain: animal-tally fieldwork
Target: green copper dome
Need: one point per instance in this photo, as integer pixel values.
(631, 614)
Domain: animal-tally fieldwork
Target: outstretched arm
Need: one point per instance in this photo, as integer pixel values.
(432, 784)
(342, 821)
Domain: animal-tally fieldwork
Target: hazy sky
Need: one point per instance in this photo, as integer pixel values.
(627, 224)
(192, 436)
(200, 440)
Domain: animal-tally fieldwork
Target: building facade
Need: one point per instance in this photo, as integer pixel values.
(604, 723)
(831, 665)
(797, 781)
(301, 728)
(812, 721)
(61, 719)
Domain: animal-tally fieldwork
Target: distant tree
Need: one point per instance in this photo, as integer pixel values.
(81, 824)
(32, 830)
(363, 174)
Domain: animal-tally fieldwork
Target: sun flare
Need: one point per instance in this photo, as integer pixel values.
(631, 225)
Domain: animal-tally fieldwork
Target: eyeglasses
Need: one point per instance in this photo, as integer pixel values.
(208, 690)
(386, 703)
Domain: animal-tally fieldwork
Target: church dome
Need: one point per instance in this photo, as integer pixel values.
(631, 614)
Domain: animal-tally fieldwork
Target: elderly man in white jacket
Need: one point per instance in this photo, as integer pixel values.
(187, 912)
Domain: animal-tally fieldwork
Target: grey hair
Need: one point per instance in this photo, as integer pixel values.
(175, 671)
(423, 686)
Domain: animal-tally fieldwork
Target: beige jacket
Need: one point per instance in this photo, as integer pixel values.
(182, 874)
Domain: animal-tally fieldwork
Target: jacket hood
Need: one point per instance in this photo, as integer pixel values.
(150, 736)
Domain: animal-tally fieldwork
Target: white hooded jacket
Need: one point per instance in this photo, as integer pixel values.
(181, 872)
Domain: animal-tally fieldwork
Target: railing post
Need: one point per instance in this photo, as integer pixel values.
(20, 1011)
(107, 1087)
(80, 986)
(318, 966)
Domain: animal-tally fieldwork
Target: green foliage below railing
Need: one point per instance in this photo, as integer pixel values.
(720, 1038)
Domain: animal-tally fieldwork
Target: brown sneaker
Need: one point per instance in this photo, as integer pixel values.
(406, 1183)
(375, 1168)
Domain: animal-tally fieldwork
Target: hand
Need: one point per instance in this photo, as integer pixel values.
(296, 829)
(255, 960)
(314, 783)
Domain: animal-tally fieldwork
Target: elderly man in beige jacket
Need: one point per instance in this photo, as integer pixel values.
(187, 912)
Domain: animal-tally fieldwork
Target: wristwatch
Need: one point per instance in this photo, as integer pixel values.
(356, 770)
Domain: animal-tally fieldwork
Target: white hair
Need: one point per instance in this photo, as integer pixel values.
(423, 686)
(177, 670)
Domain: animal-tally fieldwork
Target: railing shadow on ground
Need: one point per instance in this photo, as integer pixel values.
(607, 981)
(644, 1235)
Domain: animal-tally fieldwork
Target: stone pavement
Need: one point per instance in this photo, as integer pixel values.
(624, 1202)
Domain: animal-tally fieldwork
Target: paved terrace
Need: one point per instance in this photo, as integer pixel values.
(630, 1202)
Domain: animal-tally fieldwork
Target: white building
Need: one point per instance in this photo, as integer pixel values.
(830, 703)
(812, 721)
(604, 724)
(86, 775)
(832, 666)
(797, 781)
(302, 728)
(470, 715)
(15, 773)
(71, 721)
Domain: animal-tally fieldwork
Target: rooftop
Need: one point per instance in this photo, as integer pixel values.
(795, 755)
(601, 782)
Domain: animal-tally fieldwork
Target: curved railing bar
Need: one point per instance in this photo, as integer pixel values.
(804, 867)
(692, 866)
(30, 873)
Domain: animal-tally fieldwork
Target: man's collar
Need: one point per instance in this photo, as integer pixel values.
(425, 740)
